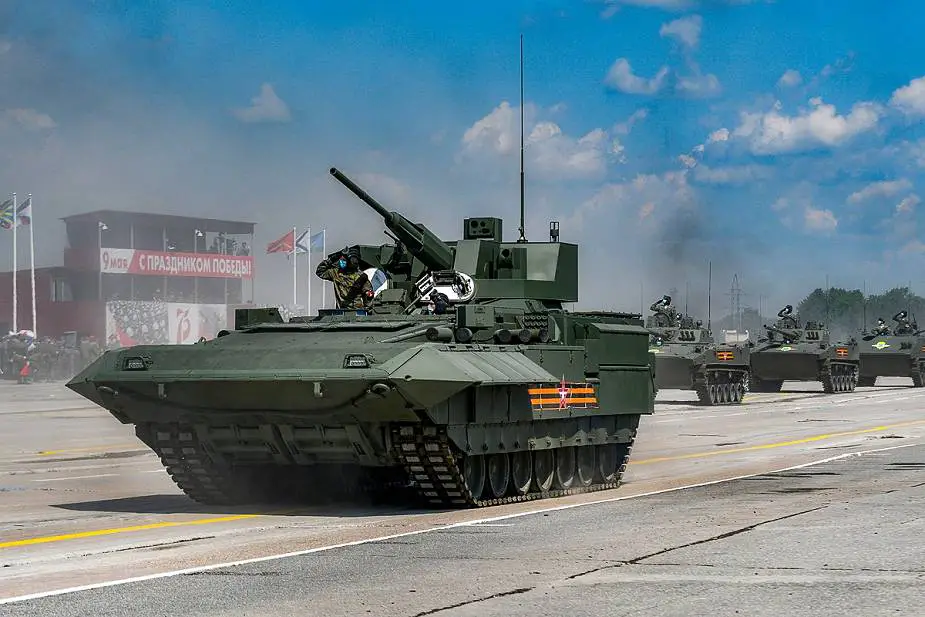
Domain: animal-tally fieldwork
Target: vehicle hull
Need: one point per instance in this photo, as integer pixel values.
(836, 367)
(452, 425)
(892, 356)
(718, 379)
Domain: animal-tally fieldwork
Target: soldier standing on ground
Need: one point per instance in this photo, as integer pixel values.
(352, 288)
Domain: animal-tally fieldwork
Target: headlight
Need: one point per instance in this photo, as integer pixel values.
(356, 361)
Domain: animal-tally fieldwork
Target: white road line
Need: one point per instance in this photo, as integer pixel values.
(99, 475)
(60, 468)
(503, 517)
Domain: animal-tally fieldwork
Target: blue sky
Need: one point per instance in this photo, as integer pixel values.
(783, 140)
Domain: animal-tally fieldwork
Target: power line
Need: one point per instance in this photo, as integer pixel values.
(735, 303)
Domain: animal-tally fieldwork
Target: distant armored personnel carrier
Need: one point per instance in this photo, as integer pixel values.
(896, 353)
(687, 357)
(797, 352)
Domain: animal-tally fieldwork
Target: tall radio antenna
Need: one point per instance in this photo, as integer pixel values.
(523, 237)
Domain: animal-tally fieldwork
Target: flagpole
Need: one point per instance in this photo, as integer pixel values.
(295, 297)
(309, 277)
(324, 253)
(15, 271)
(35, 327)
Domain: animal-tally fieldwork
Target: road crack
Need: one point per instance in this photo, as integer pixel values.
(500, 594)
(721, 536)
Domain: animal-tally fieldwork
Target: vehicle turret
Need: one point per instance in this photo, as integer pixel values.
(509, 274)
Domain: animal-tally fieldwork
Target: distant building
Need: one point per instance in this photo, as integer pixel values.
(134, 278)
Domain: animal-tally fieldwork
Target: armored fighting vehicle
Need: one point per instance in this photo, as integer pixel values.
(466, 382)
(798, 352)
(687, 357)
(893, 354)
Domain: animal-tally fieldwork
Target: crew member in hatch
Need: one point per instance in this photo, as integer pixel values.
(352, 289)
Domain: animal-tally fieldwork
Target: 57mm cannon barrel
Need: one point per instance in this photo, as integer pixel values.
(420, 241)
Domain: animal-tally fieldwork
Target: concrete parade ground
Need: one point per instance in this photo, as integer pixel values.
(793, 503)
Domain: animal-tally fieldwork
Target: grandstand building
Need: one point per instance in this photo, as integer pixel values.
(132, 278)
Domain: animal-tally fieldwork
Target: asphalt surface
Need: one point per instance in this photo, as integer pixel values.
(85, 504)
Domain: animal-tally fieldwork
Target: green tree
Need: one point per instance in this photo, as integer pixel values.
(846, 310)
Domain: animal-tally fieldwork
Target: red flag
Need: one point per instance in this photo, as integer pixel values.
(283, 245)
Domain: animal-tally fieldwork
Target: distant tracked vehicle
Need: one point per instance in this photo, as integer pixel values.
(802, 352)
(896, 353)
(687, 357)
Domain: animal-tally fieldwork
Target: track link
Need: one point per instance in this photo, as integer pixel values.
(722, 387)
(437, 473)
(839, 377)
(194, 471)
(918, 375)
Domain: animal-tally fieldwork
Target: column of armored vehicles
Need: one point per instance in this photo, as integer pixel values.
(464, 382)
(721, 372)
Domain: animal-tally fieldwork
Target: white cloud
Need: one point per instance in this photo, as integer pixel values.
(5, 46)
(908, 204)
(697, 84)
(687, 160)
(30, 119)
(902, 224)
(614, 5)
(775, 133)
(624, 128)
(648, 197)
(781, 204)
(621, 77)
(498, 131)
(551, 152)
(914, 246)
(685, 30)
(718, 135)
(910, 99)
(386, 188)
(734, 174)
(669, 5)
(690, 160)
(841, 65)
(818, 220)
(798, 207)
(886, 188)
(906, 153)
(789, 79)
(265, 107)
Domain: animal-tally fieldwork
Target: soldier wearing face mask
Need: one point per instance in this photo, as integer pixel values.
(352, 288)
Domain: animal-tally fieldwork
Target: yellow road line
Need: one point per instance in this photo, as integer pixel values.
(113, 448)
(780, 444)
(226, 519)
(106, 532)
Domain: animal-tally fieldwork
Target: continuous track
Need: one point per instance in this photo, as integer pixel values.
(722, 387)
(437, 474)
(443, 477)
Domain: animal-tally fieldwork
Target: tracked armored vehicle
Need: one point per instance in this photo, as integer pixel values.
(797, 352)
(893, 354)
(687, 357)
(464, 383)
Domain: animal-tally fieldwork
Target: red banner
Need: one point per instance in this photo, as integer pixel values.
(156, 263)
